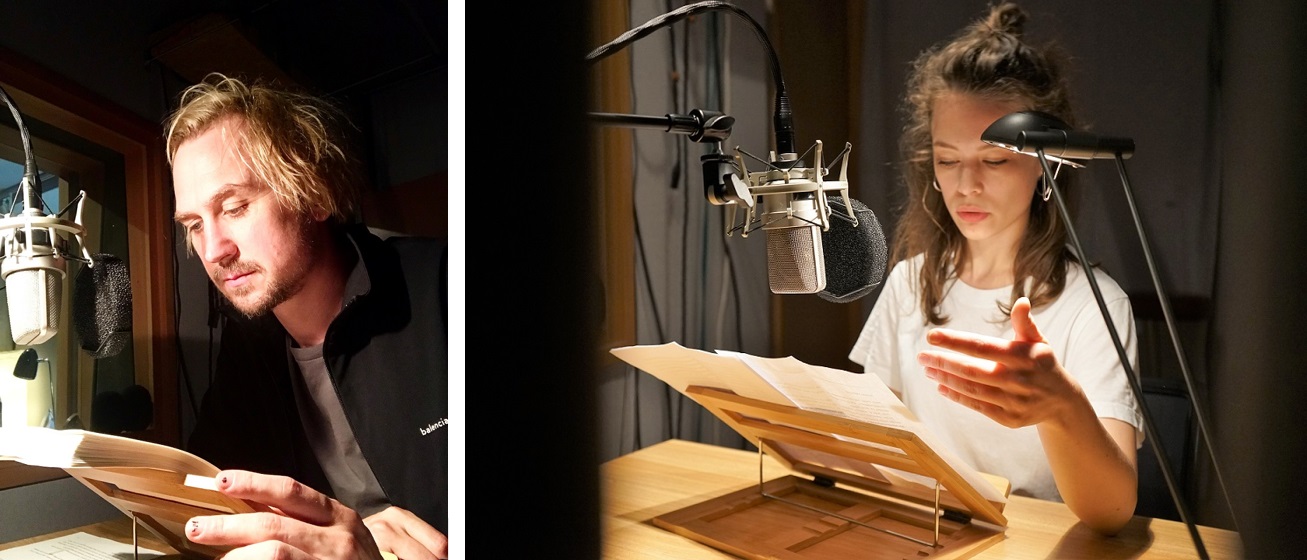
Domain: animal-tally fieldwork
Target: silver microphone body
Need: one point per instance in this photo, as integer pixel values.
(34, 286)
(34, 268)
(795, 261)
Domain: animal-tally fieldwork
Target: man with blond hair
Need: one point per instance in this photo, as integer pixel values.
(329, 402)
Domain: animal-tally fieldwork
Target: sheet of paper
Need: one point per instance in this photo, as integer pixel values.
(205, 482)
(77, 546)
(838, 393)
(683, 367)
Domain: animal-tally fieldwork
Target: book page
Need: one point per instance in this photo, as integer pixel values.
(71, 448)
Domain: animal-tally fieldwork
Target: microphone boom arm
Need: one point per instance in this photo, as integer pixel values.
(720, 183)
(701, 125)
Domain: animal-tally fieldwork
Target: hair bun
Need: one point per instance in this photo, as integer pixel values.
(1007, 17)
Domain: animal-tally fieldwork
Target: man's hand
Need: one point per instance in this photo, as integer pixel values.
(304, 524)
(398, 531)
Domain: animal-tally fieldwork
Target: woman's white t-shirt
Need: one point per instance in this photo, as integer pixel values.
(1073, 325)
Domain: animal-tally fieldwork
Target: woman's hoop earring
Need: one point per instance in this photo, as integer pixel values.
(935, 183)
(1048, 188)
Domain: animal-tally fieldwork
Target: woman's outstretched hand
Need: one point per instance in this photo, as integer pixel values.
(1016, 382)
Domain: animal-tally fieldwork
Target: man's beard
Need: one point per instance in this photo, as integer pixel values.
(278, 289)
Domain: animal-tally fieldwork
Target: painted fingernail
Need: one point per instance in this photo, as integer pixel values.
(224, 480)
(194, 527)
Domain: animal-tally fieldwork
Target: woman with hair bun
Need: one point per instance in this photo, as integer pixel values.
(987, 326)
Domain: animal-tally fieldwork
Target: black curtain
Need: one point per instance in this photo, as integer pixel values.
(1261, 390)
(532, 466)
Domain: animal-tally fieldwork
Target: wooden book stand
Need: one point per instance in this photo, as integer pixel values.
(880, 514)
(161, 501)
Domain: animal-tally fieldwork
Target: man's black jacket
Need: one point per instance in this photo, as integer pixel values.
(387, 352)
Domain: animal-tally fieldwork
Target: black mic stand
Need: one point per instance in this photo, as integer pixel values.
(1149, 430)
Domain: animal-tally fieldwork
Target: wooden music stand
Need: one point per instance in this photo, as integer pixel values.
(883, 515)
(161, 501)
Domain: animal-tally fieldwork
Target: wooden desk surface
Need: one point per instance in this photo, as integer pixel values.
(674, 474)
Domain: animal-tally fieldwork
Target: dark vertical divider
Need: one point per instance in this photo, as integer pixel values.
(1260, 381)
(532, 290)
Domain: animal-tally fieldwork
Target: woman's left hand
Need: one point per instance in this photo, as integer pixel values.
(1016, 382)
(1020, 382)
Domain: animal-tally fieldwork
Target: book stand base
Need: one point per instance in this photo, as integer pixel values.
(797, 518)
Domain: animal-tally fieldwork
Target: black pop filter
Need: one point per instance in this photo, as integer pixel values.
(855, 256)
(102, 306)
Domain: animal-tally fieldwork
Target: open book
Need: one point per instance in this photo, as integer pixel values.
(161, 487)
(791, 382)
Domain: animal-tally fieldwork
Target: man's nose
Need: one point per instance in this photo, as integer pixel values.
(218, 245)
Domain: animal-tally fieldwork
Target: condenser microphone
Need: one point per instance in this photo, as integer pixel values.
(34, 268)
(795, 211)
(791, 216)
(102, 306)
(33, 265)
(856, 253)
